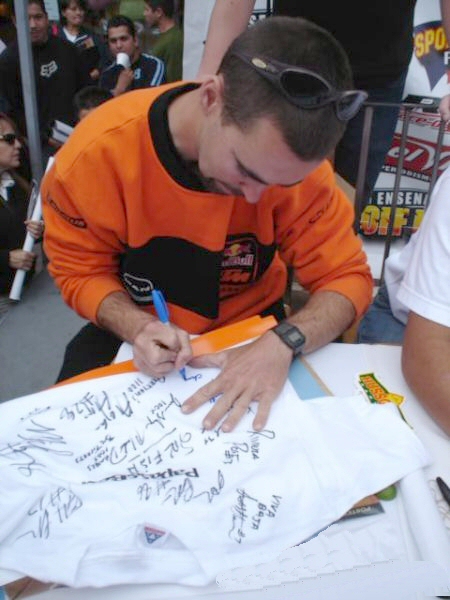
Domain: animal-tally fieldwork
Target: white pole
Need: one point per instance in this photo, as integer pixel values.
(16, 288)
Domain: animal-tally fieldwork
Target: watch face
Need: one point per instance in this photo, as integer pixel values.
(296, 337)
(291, 336)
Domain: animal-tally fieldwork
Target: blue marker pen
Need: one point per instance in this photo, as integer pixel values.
(160, 304)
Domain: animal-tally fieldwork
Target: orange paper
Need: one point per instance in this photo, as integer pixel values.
(212, 341)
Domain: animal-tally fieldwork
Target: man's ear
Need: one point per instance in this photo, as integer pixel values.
(211, 93)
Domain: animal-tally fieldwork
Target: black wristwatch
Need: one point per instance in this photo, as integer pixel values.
(291, 336)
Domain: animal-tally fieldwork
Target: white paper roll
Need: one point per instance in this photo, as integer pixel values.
(19, 278)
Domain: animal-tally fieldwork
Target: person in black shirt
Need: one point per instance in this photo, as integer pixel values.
(91, 46)
(58, 73)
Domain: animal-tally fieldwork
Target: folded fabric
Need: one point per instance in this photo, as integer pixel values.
(107, 482)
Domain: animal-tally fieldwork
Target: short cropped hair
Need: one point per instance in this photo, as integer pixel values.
(122, 21)
(40, 3)
(90, 96)
(63, 4)
(167, 6)
(311, 134)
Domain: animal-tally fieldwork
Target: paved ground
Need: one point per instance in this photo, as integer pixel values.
(33, 336)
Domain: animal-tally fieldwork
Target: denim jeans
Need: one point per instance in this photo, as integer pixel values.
(383, 128)
(379, 326)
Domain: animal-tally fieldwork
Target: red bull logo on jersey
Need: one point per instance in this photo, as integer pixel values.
(239, 261)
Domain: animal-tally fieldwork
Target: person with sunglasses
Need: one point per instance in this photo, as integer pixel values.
(378, 38)
(208, 192)
(13, 213)
(59, 74)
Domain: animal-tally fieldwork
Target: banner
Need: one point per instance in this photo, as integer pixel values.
(427, 81)
(419, 157)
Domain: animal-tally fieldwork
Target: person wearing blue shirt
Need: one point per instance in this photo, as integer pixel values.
(143, 71)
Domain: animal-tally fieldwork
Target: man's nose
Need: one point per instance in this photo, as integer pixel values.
(252, 191)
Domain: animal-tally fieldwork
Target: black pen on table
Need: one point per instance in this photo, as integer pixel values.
(160, 304)
(445, 490)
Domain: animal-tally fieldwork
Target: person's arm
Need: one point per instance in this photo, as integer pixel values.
(83, 247)
(445, 16)
(35, 228)
(228, 19)
(444, 107)
(21, 259)
(124, 80)
(426, 366)
(159, 75)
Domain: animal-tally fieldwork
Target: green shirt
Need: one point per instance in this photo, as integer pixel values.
(169, 47)
(133, 9)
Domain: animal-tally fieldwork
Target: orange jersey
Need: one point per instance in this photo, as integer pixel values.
(122, 213)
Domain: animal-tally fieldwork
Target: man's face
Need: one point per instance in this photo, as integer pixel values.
(121, 40)
(38, 23)
(151, 16)
(245, 163)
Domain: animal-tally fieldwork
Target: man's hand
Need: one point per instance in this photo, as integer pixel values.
(56, 144)
(256, 371)
(21, 259)
(94, 74)
(124, 81)
(159, 348)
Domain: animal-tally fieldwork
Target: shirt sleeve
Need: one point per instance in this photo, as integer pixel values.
(425, 288)
(82, 242)
(316, 236)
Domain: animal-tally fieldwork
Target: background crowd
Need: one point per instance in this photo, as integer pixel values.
(95, 51)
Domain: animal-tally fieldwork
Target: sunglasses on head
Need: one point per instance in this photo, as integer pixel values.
(9, 138)
(305, 88)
